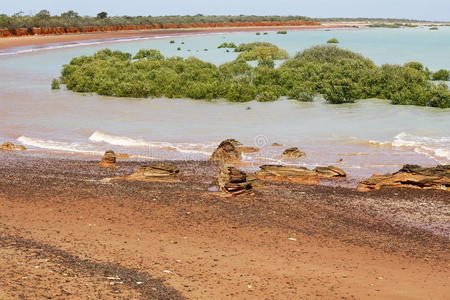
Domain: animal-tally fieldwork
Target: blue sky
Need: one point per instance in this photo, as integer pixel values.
(415, 9)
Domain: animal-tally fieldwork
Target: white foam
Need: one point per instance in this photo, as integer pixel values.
(56, 145)
(189, 148)
(437, 147)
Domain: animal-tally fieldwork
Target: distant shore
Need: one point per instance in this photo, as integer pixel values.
(22, 41)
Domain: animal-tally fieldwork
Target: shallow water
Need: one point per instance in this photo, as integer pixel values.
(370, 136)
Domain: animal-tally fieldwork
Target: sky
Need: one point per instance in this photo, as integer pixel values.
(433, 10)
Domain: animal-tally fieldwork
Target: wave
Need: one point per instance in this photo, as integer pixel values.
(56, 145)
(437, 147)
(102, 137)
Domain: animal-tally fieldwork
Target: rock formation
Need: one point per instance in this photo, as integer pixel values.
(299, 175)
(108, 159)
(226, 152)
(247, 149)
(8, 146)
(330, 172)
(156, 172)
(277, 145)
(233, 181)
(410, 176)
(290, 174)
(293, 153)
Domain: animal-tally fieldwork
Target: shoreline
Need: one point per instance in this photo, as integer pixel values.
(22, 41)
(137, 239)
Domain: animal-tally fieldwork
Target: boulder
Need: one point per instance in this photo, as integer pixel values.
(410, 176)
(293, 153)
(8, 146)
(247, 149)
(277, 145)
(108, 160)
(234, 142)
(330, 172)
(226, 152)
(233, 181)
(290, 174)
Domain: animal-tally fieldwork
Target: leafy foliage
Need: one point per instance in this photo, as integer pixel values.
(340, 76)
(333, 41)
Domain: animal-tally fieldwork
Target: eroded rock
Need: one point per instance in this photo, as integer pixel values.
(293, 153)
(226, 152)
(277, 173)
(247, 149)
(159, 172)
(233, 181)
(330, 172)
(410, 176)
(108, 159)
(8, 146)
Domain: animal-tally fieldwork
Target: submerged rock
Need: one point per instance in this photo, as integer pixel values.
(279, 173)
(108, 159)
(8, 146)
(330, 172)
(226, 152)
(410, 176)
(293, 153)
(234, 181)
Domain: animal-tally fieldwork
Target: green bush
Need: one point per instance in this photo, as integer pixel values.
(251, 46)
(282, 32)
(442, 75)
(333, 41)
(55, 84)
(339, 75)
(227, 45)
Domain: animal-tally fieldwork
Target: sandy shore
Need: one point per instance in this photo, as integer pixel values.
(12, 42)
(66, 235)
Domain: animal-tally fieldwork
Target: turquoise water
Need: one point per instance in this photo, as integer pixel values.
(371, 136)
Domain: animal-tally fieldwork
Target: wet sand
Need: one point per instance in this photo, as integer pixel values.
(12, 42)
(66, 235)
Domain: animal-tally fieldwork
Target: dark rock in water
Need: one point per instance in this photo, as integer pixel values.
(8, 146)
(108, 159)
(293, 153)
(226, 152)
(410, 176)
(330, 172)
(290, 174)
(233, 181)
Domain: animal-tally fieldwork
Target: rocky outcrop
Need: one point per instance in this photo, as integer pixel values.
(277, 145)
(330, 172)
(277, 173)
(410, 176)
(233, 181)
(108, 160)
(226, 152)
(156, 172)
(293, 153)
(8, 146)
(298, 175)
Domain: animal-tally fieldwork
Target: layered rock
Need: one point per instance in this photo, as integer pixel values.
(410, 176)
(156, 172)
(277, 145)
(108, 159)
(277, 173)
(293, 153)
(330, 172)
(233, 181)
(8, 146)
(226, 152)
(247, 149)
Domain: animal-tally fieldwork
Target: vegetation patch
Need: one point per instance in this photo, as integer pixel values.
(333, 41)
(230, 45)
(338, 75)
